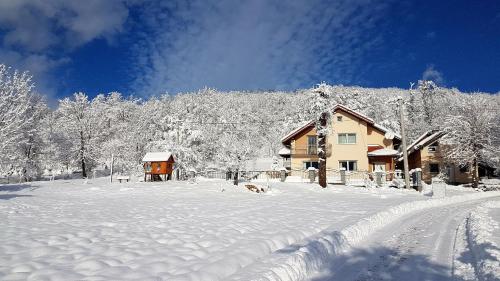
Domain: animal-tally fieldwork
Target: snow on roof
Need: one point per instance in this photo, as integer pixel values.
(284, 151)
(298, 130)
(383, 152)
(385, 130)
(355, 113)
(424, 139)
(346, 109)
(156, 156)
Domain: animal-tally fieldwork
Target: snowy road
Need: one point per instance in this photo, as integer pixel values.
(429, 246)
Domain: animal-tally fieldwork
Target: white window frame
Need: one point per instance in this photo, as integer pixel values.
(310, 165)
(347, 138)
(347, 165)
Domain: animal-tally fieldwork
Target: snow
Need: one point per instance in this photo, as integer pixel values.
(300, 260)
(156, 156)
(302, 126)
(260, 164)
(484, 239)
(383, 152)
(211, 230)
(284, 151)
(68, 230)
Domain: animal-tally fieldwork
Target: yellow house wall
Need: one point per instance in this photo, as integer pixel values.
(356, 152)
(365, 134)
(300, 141)
(377, 137)
(428, 158)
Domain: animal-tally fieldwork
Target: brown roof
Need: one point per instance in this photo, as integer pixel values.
(297, 131)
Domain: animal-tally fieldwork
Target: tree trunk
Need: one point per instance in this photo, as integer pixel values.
(82, 154)
(235, 178)
(84, 173)
(322, 150)
(475, 178)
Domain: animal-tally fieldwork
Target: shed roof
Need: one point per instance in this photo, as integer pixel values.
(157, 156)
(284, 151)
(426, 138)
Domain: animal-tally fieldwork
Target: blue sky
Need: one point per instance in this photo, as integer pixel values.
(143, 47)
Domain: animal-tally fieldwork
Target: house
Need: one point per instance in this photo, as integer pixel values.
(158, 164)
(427, 152)
(355, 143)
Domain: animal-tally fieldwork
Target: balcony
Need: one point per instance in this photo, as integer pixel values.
(305, 151)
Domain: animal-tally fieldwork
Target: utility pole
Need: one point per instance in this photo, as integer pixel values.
(111, 172)
(403, 140)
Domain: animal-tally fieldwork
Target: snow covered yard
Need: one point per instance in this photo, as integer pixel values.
(66, 230)
(484, 240)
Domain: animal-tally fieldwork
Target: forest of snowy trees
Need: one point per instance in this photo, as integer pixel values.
(211, 128)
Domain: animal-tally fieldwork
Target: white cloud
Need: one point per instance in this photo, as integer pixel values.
(431, 74)
(38, 35)
(36, 25)
(253, 44)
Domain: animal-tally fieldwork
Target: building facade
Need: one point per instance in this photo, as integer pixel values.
(355, 142)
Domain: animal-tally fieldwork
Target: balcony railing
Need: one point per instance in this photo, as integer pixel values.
(310, 150)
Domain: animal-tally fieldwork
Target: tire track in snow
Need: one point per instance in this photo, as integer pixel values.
(302, 260)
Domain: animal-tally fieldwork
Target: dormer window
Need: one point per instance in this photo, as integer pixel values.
(433, 147)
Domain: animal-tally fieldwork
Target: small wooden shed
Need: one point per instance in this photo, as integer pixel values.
(158, 164)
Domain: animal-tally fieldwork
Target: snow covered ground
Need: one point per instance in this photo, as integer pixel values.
(483, 227)
(67, 230)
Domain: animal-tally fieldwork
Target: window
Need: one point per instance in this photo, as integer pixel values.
(347, 138)
(434, 168)
(433, 147)
(349, 165)
(312, 145)
(308, 164)
(463, 168)
(339, 118)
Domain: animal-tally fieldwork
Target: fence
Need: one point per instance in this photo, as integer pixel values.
(355, 178)
(242, 175)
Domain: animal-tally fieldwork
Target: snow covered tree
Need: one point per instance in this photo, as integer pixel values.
(81, 122)
(470, 132)
(20, 115)
(321, 105)
(16, 92)
(30, 145)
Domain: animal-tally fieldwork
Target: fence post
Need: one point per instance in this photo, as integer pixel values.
(312, 174)
(379, 175)
(192, 176)
(398, 174)
(283, 175)
(418, 179)
(342, 176)
(438, 188)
